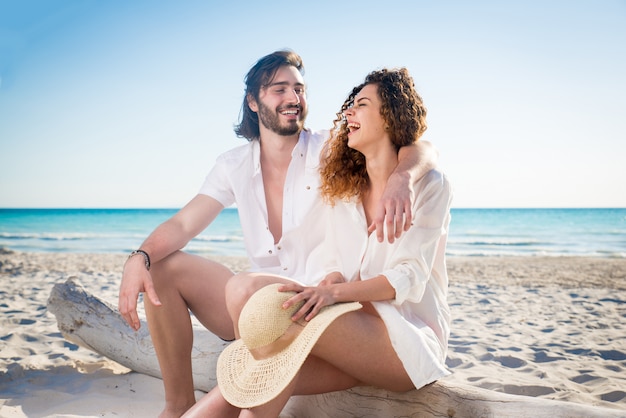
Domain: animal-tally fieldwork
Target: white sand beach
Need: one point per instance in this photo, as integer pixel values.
(548, 327)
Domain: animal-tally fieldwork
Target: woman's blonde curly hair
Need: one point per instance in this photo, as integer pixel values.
(343, 172)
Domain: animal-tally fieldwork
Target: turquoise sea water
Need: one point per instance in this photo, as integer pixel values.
(473, 232)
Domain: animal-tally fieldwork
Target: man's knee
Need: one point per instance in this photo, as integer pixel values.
(164, 271)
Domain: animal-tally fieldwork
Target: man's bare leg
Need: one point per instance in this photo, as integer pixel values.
(185, 282)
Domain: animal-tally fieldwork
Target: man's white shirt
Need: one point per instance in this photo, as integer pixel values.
(236, 179)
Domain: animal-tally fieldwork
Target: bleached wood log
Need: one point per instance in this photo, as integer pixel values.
(91, 322)
(94, 324)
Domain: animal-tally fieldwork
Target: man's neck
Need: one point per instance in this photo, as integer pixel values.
(277, 149)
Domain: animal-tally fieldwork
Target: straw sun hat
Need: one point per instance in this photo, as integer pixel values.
(256, 368)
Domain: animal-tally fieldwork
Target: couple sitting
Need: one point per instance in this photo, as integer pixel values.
(349, 308)
(375, 313)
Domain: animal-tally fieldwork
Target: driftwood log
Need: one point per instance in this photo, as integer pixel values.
(90, 322)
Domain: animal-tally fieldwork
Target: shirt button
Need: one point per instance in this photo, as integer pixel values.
(308, 187)
(269, 252)
(279, 247)
(284, 268)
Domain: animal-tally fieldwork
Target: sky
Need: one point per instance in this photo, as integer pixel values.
(124, 104)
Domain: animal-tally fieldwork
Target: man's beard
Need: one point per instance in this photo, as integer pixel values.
(270, 119)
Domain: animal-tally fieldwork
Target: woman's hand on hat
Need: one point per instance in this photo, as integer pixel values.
(314, 298)
(332, 278)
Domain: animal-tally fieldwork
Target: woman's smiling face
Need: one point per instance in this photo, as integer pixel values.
(365, 122)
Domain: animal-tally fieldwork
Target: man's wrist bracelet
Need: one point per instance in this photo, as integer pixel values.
(146, 257)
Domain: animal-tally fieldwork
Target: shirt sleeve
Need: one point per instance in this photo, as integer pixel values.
(217, 183)
(411, 263)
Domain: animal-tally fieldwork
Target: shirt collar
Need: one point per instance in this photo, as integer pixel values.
(300, 150)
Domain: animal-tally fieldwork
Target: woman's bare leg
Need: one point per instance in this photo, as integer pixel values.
(327, 378)
(272, 408)
(374, 360)
(212, 404)
(185, 282)
(357, 343)
(354, 350)
(315, 376)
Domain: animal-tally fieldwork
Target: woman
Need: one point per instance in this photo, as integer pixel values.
(398, 340)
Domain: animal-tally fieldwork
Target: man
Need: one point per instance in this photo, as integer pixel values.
(274, 181)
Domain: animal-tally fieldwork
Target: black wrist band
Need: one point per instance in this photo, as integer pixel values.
(146, 257)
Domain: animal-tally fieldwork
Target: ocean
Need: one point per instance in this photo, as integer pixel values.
(473, 232)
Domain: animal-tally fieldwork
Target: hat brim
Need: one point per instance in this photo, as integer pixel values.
(246, 382)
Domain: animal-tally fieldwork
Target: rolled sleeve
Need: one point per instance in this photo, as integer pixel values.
(409, 279)
(400, 280)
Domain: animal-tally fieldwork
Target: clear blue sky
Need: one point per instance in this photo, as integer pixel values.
(128, 103)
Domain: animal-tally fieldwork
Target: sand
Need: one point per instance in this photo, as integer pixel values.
(540, 326)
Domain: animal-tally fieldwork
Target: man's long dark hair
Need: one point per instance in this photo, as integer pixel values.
(259, 76)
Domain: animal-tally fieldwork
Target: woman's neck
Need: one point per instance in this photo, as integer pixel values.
(379, 168)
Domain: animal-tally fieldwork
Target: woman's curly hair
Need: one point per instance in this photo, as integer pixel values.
(343, 172)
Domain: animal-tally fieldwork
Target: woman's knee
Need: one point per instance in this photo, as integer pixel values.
(239, 288)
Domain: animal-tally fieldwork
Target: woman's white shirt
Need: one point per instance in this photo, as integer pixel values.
(418, 319)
